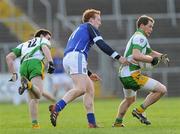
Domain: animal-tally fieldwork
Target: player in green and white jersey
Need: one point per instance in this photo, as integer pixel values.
(138, 49)
(32, 54)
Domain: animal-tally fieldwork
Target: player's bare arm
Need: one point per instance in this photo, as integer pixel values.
(48, 56)
(47, 53)
(155, 54)
(138, 56)
(10, 59)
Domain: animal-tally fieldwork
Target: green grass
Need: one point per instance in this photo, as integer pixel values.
(164, 115)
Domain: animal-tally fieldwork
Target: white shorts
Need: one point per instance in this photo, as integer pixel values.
(75, 63)
(149, 86)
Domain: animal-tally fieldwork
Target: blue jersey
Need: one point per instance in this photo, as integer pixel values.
(80, 40)
(84, 37)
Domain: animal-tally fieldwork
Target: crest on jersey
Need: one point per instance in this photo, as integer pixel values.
(141, 40)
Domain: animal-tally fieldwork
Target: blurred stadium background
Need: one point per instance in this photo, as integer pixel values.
(19, 19)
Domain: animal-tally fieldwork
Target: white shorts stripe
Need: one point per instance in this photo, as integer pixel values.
(79, 62)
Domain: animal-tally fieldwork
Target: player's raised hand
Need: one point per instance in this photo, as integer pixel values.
(94, 77)
(123, 61)
(14, 77)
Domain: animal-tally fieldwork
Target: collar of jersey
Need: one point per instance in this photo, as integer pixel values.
(140, 31)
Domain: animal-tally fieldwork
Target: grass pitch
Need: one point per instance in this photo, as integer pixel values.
(164, 115)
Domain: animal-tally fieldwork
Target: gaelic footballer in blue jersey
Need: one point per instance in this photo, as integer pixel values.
(75, 63)
(85, 36)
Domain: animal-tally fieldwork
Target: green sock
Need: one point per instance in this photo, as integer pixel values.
(143, 106)
(34, 122)
(119, 120)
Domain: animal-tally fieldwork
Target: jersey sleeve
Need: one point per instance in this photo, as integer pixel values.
(139, 42)
(94, 33)
(97, 38)
(45, 41)
(17, 50)
(149, 50)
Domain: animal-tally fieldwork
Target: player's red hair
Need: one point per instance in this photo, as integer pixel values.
(89, 13)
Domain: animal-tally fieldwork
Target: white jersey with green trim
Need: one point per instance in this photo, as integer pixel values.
(31, 49)
(137, 41)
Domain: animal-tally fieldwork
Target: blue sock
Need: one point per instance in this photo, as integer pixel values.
(91, 118)
(60, 105)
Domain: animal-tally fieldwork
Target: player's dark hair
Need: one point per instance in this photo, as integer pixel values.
(44, 32)
(143, 20)
(89, 13)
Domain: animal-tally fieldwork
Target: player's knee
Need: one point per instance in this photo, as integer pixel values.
(80, 92)
(163, 90)
(38, 96)
(83, 91)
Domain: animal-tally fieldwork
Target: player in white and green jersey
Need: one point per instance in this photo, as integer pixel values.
(138, 50)
(32, 54)
(31, 57)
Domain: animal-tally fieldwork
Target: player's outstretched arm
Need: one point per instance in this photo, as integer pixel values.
(97, 38)
(47, 53)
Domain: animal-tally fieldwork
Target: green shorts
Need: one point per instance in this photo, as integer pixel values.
(32, 68)
(135, 81)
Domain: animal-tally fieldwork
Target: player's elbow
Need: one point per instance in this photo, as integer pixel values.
(8, 58)
(136, 57)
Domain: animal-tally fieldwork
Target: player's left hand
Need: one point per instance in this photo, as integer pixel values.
(164, 58)
(94, 77)
(14, 77)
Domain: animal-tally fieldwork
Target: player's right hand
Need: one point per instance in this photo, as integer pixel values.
(123, 61)
(164, 58)
(94, 77)
(51, 68)
(14, 77)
